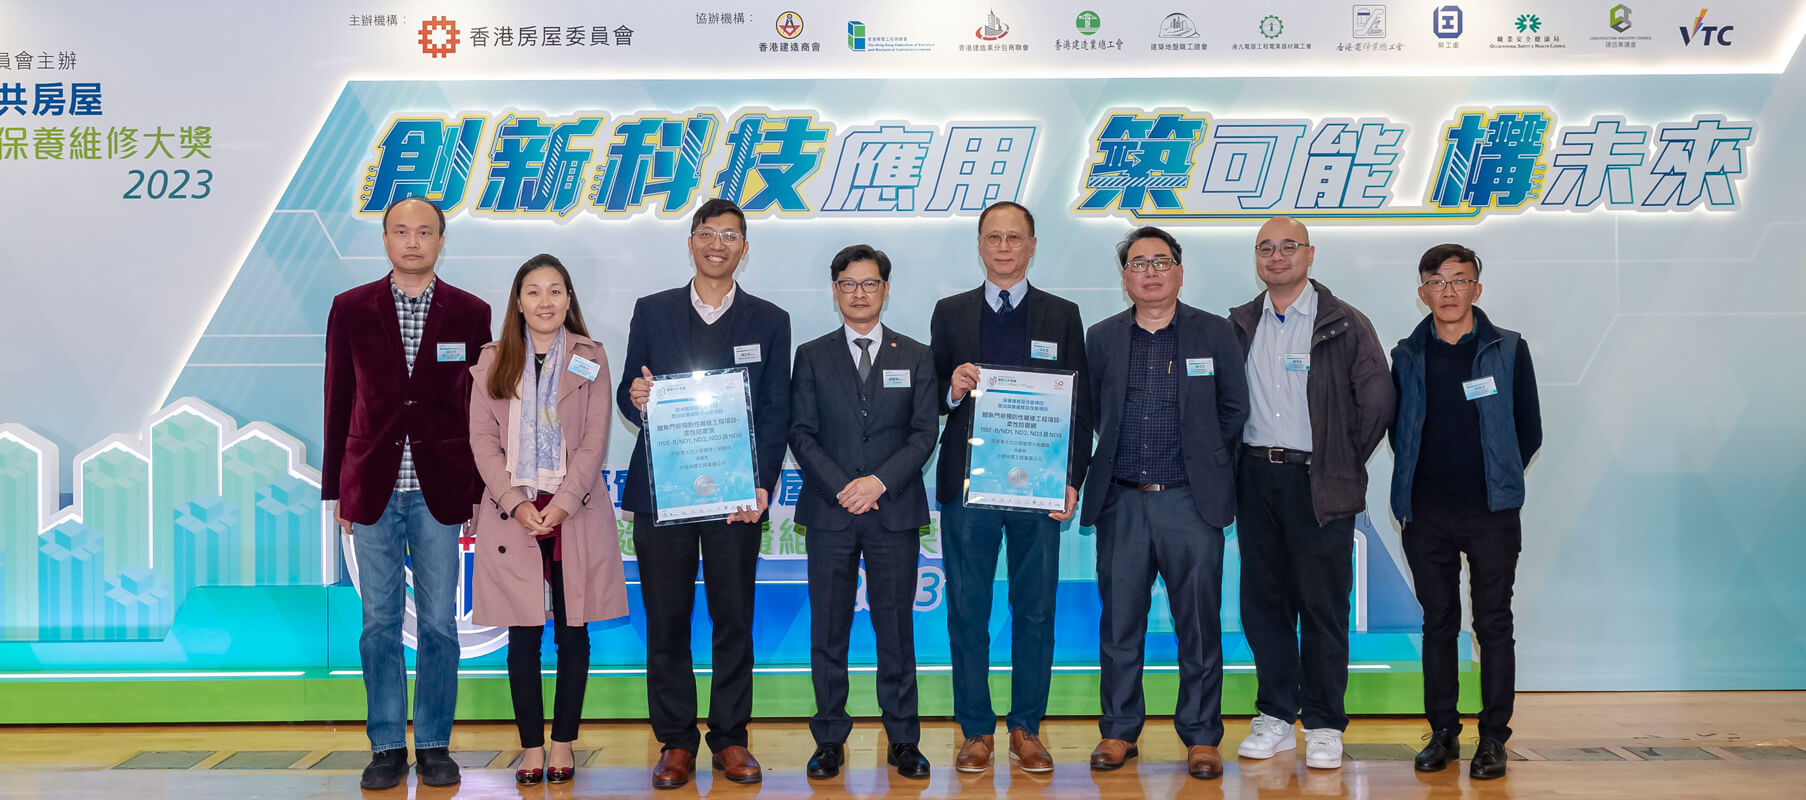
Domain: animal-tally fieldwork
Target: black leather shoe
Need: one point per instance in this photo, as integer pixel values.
(1443, 748)
(435, 766)
(387, 769)
(827, 760)
(1489, 760)
(909, 761)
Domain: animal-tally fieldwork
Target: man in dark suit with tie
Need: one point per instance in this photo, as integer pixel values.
(1170, 399)
(710, 323)
(863, 417)
(398, 464)
(1004, 323)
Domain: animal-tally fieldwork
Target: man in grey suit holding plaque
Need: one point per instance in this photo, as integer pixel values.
(863, 422)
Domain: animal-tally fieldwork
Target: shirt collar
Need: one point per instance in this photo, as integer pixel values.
(425, 297)
(726, 299)
(877, 335)
(1018, 293)
(1305, 305)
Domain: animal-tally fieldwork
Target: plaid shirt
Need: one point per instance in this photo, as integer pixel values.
(1148, 448)
(411, 313)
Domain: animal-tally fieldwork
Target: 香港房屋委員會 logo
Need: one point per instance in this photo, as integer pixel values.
(1087, 23)
(1706, 35)
(1271, 26)
(1446, 22)
(439, 37)
(1369, 21)
(1178, 26)
(789, 25)
(1528, 23)
(993, 29)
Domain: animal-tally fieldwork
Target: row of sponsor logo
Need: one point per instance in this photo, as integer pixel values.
(441, 37)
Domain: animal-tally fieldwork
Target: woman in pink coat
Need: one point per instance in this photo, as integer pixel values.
(539, 419)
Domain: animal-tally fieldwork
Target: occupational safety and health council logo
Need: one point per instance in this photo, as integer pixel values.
(439, 37)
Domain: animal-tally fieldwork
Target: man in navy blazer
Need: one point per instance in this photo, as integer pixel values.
(1170, 398)
(863, 421)
(709, 324)
(397, 464)
(1004, 323)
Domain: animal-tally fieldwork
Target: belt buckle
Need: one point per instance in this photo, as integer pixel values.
(1151, 487)
(1276, 455)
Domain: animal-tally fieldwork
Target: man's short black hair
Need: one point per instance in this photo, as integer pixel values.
(1147, 232)
(435, 206)
(1007, 204)
(715, 208)
(859, 252)
(1433, 258)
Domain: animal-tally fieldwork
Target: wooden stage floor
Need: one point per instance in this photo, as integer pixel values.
(1719, 745)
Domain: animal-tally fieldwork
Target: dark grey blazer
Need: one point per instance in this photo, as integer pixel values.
(841, 429)
(1212, 410)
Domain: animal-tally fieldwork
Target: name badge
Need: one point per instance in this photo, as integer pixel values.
(747, 354)
(1200, 367)
(896, 379)
(1479, 387)
(1044, 350)
(584, 367)
(1298, 362)
(451, 351)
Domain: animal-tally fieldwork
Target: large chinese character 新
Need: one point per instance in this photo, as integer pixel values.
(982, 164)
(775, 154)
(533, 167)
(1700, 156)
(656, 156)
(1491, 161)
(1142, 159)
(879, 169)
(428, 158)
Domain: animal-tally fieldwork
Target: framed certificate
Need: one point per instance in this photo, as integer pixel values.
(699, 446)
(1021, 434)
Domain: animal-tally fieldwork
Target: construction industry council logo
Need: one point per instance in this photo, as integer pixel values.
(993, 29)
(1706, 34)
(439, 37)
(1620, 18)
(790, 25)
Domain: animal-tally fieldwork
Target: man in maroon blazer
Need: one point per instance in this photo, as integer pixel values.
(398, 462)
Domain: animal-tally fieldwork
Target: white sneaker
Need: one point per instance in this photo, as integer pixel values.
(1268, 736)
(1323, 748)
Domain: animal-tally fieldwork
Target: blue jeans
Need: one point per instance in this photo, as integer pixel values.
(970, 540)
(408, 534)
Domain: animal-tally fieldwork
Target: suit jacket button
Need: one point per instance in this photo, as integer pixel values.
(397, 442)
(501, 548)
(504, 515)
(865, 438)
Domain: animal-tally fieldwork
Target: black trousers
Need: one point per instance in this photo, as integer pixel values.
(1433, 549)
(667, 559)
(890, 593)
(1141, 535)
(524, 681)
(1296, 576)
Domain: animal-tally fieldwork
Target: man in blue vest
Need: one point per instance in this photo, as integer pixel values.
(1468, 423)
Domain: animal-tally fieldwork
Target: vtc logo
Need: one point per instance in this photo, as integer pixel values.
(1710, 32)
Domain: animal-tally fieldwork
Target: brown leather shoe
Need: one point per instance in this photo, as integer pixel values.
(738, 764)
(1112, 754)
(1204, 762)
(1027, 752)
(974, 755)
(674, 768)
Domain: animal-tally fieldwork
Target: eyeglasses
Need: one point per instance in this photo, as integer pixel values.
(1161, 264)
(1459, 284)
(728, 238)
(869, 285)
(1005, 241)
(1287, 248)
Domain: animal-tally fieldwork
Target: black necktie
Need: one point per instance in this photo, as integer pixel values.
(1003, 302)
